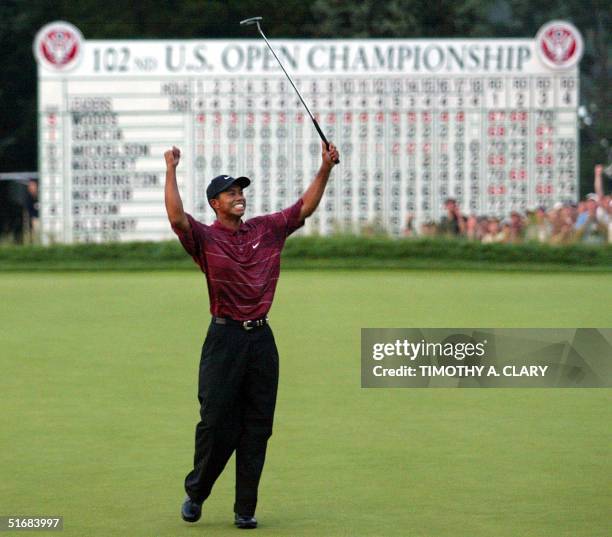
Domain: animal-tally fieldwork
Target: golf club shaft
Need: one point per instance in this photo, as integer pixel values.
(314, 121)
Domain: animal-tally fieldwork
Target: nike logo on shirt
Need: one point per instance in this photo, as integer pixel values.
(255, 245)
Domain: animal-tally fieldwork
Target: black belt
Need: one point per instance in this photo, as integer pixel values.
(246, 325)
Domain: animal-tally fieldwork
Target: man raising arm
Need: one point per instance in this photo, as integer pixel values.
(238, 375)
(314, 192)
(174, 204)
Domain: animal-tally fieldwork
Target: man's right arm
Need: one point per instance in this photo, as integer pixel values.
(174, 204)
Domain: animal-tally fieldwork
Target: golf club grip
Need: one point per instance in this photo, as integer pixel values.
(337, 161)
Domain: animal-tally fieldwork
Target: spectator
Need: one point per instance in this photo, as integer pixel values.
(32, 207)
(428, 229)
(602, 200)
(471, 228)
(554, 216)
(452, 224)
(516, 231)
(13, 202)
(609, 211)
(409, 226)
(591, 227)
(562, 219)
(494, 233)
(569, 214)
(506, 231)
(598, 181)
(483, 227)
(538, 227)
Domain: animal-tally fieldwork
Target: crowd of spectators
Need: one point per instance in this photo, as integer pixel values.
(588, 221)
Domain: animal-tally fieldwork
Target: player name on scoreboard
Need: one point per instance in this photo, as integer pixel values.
(491, 123)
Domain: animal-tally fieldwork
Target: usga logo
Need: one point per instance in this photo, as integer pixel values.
(58, 46)
(559, 45)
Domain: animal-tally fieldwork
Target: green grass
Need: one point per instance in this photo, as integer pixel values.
(98, 407)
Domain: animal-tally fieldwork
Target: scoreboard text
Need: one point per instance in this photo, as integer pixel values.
(486, 122)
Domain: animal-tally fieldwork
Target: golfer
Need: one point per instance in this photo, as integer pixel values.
(238, 375)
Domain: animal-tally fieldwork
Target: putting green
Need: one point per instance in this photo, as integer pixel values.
(98, 400)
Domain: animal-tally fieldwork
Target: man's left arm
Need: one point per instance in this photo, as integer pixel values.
(312, 197)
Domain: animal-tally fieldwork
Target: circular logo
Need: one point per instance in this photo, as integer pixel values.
(58, 46)
(559, 45)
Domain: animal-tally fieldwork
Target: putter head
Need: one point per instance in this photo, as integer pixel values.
(252, 20)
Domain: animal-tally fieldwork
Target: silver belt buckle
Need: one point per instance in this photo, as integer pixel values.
(247, 325)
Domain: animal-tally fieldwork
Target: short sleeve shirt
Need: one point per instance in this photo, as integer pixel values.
(241, 267)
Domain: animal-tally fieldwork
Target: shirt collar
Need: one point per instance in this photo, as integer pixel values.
(218, 225)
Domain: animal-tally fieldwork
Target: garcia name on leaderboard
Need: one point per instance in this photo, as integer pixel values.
(461, 371)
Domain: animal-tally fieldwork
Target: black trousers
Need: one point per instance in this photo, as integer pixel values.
(237, 392)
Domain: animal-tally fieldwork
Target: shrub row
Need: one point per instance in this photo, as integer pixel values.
(320, 252)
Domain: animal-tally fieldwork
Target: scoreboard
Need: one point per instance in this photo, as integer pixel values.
(491, 123)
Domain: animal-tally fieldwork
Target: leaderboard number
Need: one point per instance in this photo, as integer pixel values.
(111, 59)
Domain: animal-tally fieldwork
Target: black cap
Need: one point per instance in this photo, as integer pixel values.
(223, 182)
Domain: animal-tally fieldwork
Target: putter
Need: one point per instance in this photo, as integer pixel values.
(257, 20)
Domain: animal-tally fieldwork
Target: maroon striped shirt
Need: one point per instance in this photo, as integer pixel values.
(241, 267)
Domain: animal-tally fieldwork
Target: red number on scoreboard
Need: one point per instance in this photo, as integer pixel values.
(544, 188)
(496, 130)
(496, 160)
(499, 190)
(518, 116)
(543, 130)
(545, 159)
(518, 175)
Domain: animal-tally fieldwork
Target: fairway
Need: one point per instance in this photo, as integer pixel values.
(98, 400)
